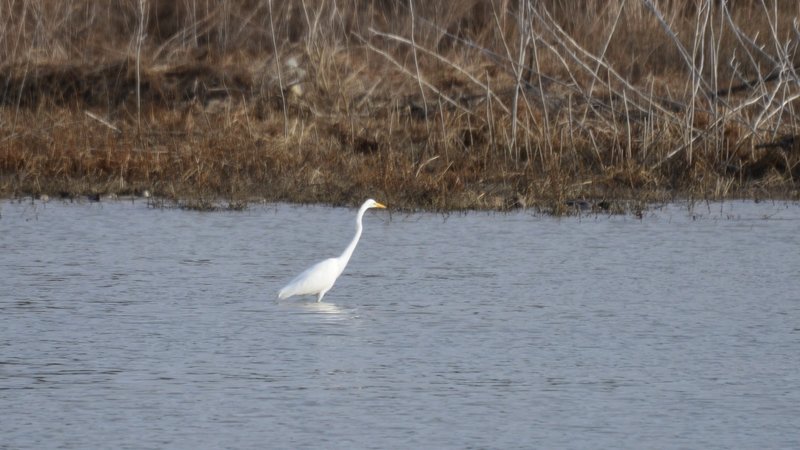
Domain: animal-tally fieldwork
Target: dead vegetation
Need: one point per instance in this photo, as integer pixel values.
(443, 105)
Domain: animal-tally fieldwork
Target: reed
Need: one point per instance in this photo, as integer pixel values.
(429, 105)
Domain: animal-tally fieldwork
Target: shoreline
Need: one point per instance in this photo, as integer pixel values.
(571, 207)
(477, 109)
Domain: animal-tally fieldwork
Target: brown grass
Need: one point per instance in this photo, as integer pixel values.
(487, 104)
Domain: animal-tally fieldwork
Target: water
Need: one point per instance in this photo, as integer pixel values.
(123, 326)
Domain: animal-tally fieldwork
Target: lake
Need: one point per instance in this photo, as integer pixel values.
(127, 326)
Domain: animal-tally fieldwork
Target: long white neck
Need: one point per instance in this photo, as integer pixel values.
(348, 252)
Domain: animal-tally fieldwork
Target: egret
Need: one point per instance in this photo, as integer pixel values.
(319, 278)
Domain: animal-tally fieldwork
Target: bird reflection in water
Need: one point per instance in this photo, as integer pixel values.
(321, 310)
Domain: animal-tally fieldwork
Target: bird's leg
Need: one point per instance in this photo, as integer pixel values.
(320, 295)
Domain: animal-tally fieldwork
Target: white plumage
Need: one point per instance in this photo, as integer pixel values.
(319, 278)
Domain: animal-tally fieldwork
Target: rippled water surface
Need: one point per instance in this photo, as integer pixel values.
(128, 326)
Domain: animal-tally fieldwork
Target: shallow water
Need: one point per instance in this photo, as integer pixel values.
(127, 326)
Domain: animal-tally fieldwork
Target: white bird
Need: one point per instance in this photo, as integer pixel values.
(319, 278)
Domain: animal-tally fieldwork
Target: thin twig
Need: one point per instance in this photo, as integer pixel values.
(139, 41)
(442, 59)
(416, 60)
(278, 69)
(102, 121)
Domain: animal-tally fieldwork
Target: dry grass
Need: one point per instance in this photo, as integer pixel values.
(464, 104)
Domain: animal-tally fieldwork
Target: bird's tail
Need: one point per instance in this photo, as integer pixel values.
(284, 294)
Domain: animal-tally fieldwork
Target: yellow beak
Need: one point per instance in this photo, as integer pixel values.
(380, 205)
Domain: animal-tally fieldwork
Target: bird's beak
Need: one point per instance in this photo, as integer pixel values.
(380, 205)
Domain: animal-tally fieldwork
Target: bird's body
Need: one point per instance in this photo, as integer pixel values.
(319, 278)
(316, 280)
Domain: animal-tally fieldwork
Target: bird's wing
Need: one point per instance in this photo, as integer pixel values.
(317, 278)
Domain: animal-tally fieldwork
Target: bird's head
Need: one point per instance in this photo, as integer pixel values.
(373, 204)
